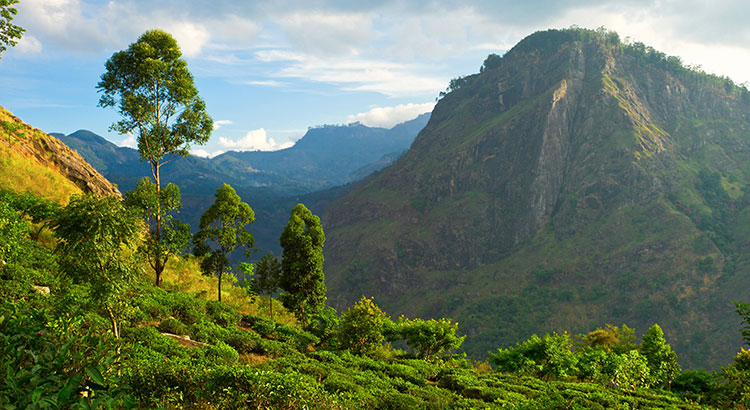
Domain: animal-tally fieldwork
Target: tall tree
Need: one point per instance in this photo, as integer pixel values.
(9, 33)
(302, 276)
(662, 360)
(174, 236)
(223, 226)
(95, 234)
(266, 278)
(152, 88)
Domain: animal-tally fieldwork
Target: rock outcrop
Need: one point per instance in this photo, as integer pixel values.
(50, 152)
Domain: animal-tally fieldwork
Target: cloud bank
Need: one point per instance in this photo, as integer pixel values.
(387, 117)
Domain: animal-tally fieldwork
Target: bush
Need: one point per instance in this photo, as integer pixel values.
(243, 341)
(548, 356)
(430, 337)
(299, 338)
(362, 327)
(186, 307)
(260, 324)
(208, 332)
(174, 326)
(221, 354)
(222, 314)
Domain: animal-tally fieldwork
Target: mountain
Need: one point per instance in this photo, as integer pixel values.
(39, 163)
(325, 157)
(331, 155)
(576, 181)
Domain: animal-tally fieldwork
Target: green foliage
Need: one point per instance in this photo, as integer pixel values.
(223, 225)
(95, 234)
(9, 33)
(491, 62)
(153, 90)
(13, 231)
(614, 338)
(302, 276)
(325, 326)
(167, 236)
(662, 360)
(266, 278)
(174, 326)
(47, 359)
(221, 353)
(429, 338)
(546, 357)
(362, 327)
(743, 309)
(41, 211)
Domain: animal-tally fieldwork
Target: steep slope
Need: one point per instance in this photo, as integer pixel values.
(578, 181)
(39, 163)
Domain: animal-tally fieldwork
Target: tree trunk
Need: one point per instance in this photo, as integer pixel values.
(115, 330)
(220, 286)
(158, 264)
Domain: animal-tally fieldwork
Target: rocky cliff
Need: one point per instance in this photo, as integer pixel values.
(46, 152)
(579, 181)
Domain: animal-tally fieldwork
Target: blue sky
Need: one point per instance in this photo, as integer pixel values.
(270, 69)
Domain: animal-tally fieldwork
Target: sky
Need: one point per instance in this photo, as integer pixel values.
(268, 70)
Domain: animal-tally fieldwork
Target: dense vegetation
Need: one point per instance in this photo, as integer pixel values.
(63, 345)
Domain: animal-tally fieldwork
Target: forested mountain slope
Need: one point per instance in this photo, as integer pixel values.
(576, 180)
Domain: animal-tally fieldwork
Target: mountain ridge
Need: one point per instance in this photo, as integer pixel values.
(566, 187)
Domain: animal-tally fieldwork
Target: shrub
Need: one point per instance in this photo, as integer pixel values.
(222, 314)
(362, 327)
(430, 337)
(243, 341)
(174, 326)
(221, 353)
(546, 357)
(186, 307)
(208, 332)
(260, 324)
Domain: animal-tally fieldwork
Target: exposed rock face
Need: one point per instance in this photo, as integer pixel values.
(50, 151)
(572, 186)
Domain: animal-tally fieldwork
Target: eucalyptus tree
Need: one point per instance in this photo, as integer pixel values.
(222, 229)
(153, 90)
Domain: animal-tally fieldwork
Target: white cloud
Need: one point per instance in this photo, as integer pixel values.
(357, 74)
(129, 141)
(190, 36)
(387, 117)
(29, 44)
(265, 83)
(220, 123)
(255, 140)
(199, 152)
(327, 33)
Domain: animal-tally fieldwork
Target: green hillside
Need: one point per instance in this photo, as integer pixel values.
(575, 181)
(181, 349)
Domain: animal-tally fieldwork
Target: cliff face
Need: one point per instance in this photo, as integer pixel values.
(45, 151)
(580, 182)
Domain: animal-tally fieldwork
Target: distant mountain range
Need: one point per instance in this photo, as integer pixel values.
(323, 158)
